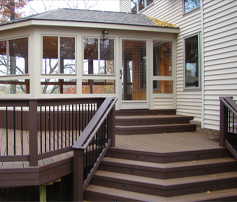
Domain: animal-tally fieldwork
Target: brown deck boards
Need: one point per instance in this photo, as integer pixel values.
(168, 142)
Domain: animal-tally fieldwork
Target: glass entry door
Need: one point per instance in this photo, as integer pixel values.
(134, 74)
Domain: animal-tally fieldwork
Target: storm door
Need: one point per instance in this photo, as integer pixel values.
(134, 74)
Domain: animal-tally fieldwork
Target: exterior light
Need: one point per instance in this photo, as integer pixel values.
(105, 35)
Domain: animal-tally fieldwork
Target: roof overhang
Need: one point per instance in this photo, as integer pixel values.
(60, 23)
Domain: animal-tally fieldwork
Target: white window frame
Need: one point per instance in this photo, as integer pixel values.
(59, 36)
(145, 5)
(183, 5)
(99, 38)
(199, 62)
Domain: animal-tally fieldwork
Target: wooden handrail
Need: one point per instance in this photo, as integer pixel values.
(106, 110)
(230, 104)
(94, 124)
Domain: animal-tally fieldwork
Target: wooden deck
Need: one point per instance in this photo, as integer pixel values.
(168, 142)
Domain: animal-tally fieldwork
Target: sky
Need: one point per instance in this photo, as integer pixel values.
(38, 6)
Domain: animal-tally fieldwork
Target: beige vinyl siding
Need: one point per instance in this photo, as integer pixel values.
(220, 55)
(163, 102)
(171, 11)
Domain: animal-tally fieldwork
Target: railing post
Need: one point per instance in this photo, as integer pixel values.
(223, 124)
(33, 139)
(111, 127)
(78, 175)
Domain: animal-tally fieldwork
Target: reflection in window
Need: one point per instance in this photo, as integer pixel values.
(165, 87)
(21, 86)
(98, 56)
(189, 5)
(54, 47)
(162, 58)
(98, 86)
(14, 57)
(141, 5)
(192, 62)
(58, 86)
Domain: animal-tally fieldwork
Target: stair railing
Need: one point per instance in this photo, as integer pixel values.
(92, 145)
(228, 124)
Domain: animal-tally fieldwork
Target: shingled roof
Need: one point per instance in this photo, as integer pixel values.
(93, 16)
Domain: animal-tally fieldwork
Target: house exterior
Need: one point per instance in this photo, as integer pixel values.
(212, 24)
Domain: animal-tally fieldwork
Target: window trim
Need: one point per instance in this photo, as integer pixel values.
(97, 75)
(183, 5)
(145, 6)
(7, 54)
(199, 62)
(42, 53)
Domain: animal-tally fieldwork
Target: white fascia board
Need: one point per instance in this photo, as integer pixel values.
(89, 25)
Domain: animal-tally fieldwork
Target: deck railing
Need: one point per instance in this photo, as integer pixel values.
(228, 124)
(34, 129)
(92, 145)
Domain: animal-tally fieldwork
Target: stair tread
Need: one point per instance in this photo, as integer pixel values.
(164, 183)
(132, 117)
(146, 197)
(166, 166)
(156, 126)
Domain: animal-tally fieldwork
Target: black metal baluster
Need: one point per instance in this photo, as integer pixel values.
(45, 123)
(69, 121)
(54, 127)
(49, 122)
(79, 119)
(58, 126)
(61, 126)
(22, 131)
(14, 126)
(65, 126)
(73, 124)
(41, 135)
(6, 131)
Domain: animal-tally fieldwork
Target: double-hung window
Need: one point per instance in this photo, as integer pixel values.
(192, 62)
(190, 5)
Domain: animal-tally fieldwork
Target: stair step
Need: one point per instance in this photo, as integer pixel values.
(129, 112)
(169, 170)
(99, 193)
(167, 157)
(151, 120)
(167, 187)
(153, 129)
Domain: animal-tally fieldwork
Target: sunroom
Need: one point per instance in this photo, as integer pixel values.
(78, 53)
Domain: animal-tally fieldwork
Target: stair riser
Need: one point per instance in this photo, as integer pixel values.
(162, 174)
(129, 122)
(187, 156)
(155, 130)
(165, 191)
(145, 112)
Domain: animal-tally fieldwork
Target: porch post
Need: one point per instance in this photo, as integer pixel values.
(223, 124)
(78, 175)
(111, 127)
(33, 139)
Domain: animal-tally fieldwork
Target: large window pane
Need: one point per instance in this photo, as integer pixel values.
(58, 86)
(98, 56)
(107, 56)
(165, 87)
(98, 86)
(192, 62)
(149, 2)
(162, 58)
(3, 58)
(67, 55)
(190, 5)
(141, 4)
(50, 55)
(21, 86)
(18, 56)
(133, 6)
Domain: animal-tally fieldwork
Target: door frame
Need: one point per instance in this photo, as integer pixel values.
(134, 104)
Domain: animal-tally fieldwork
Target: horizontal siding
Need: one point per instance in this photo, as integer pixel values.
(125, 6)
(220, 55)
(163, 102)
(171, 11)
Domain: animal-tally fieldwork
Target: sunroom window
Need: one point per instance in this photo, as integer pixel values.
(190, 5)
(98, 56)
(14, 57)
(192, 62)
(58, 55)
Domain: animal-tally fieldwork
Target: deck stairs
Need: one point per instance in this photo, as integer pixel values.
(130, 122)
(134, 175)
